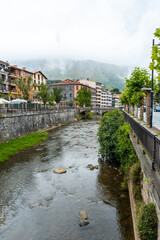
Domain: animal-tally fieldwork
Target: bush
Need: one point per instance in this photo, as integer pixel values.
(147, 222)
(109, 124)
(124, 147)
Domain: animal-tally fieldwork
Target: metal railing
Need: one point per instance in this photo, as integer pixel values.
(149, 141)
(34, 107)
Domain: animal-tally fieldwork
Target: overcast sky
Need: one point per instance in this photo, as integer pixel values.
(111, 31)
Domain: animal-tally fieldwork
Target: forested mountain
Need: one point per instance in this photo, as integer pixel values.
(112, 76)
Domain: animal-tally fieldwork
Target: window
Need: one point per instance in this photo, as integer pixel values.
(70, 88)
(77, 87)
(35, 88)
(38, 82)
(34, 81)
(70, 95)
(38, 77)
(42, 78)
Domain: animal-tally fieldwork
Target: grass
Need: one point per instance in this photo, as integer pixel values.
(8, 149)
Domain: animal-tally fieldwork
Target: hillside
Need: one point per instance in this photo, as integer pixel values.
(112, 76)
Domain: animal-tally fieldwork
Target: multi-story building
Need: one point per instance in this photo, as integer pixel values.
(109, 98)
(103, 98)
(70, 89)
(38, 78)
(14, 74)
(96, 101)
(116, 101)
(4, 85)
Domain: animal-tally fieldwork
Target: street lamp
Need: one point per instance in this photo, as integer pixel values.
(151, 110)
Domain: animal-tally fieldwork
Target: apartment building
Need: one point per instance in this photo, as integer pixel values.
(4, 84)
(14, 74)
(116, 101)
(109, 98)
(38, 78)
(96, 100)
(70, 89)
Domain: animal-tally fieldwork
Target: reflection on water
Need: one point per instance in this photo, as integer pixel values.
(36, 203)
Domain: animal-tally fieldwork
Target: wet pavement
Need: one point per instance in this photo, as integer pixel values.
(36, 203)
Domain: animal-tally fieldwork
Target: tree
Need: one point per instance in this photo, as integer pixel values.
(51, 99)
(107, 138)
(84, 97)
(43, 93)
(115, 90)
(57, 91)
(134, 95)
(25, 85)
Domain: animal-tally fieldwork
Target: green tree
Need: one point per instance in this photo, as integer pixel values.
(43, 94)
(57, 91)
(84, 97)
(51, 99)
(25, 85)
(115, 90)
(107, 138)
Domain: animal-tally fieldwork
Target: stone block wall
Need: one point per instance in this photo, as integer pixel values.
(15, 125)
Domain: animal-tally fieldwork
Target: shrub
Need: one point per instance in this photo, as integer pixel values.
(147, 222)
(109, 124)
(125, 150)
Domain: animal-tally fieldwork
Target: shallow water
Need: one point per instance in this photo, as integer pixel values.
(36, 203)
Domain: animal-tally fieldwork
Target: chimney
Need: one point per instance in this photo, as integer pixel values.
(24, 68)
(15, 66)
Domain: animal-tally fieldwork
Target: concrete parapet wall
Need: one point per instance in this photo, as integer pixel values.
(151, 179)
(16, 124)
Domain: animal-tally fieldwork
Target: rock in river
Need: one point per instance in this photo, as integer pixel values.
(60, 171)
(83, 223)
(83, 214)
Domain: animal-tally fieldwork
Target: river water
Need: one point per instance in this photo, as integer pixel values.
(38, 204)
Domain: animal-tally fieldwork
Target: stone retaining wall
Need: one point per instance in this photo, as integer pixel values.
(14, 125)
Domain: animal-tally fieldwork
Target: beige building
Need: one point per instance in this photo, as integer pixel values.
(38, 78)
(96, 100)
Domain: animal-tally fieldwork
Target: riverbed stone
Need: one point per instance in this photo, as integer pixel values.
(91, 167)
(83, 223)
(83, 214)
(60, 171)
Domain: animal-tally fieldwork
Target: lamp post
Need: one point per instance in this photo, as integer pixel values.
(151, 110)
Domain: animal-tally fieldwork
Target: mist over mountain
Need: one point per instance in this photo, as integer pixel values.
(112, 76)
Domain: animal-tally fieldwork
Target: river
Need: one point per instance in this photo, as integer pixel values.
(38, 204)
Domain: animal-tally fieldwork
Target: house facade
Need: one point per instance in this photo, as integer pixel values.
(38, 78)
(96, 96)
(4, 84)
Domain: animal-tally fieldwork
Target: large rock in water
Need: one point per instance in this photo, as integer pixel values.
(83, 223)
(83, 214)
(60, 171)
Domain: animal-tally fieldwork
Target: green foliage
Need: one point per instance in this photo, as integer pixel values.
(107, 138)
(84, 98)
(115, 90)
(57, 91)
(136, 176)
(125, 150)
(1, 115)
(43, 94)
(69, 103)
(25, 85)
(133, 94)
(89, 115)
(13, 146)
(51, 99)
(147, 222)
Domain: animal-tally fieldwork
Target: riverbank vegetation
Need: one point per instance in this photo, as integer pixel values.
(116, 147)
(8, 149)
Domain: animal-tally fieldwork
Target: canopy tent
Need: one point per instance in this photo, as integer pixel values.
(18, 100)
(3, 101)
